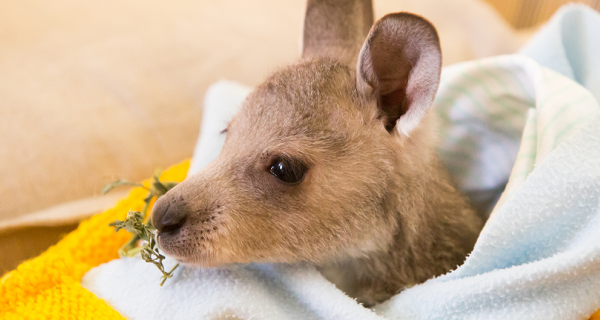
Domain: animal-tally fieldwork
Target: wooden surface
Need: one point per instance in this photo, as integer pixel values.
(26, 243)
(531, 13)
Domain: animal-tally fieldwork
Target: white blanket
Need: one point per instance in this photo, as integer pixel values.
(507, 118)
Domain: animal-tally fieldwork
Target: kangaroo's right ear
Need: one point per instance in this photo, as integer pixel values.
(399, 65)
(336, 28)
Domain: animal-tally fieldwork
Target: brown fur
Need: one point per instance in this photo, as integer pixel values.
(375, 212)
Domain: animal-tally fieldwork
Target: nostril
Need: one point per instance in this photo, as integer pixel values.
(169, 225)
(167, 216)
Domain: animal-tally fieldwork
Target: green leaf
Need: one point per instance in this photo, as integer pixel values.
(134, 223)
(159, 187)
(119, 183)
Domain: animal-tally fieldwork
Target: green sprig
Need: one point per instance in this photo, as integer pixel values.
(143, 232)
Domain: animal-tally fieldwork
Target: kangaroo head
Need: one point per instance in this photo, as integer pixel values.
(325, 160)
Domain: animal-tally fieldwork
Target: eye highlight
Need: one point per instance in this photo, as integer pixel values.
(287, 170)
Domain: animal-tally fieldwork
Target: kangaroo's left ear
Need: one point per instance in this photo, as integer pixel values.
(399, 65)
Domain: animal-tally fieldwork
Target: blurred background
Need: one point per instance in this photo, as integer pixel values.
(94, 91)
(531, 13)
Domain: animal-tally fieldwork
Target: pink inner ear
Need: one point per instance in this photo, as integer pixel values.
(389, 105)
(391, 71)
(401, 63)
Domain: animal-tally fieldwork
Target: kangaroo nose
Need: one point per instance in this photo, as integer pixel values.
(168, 216)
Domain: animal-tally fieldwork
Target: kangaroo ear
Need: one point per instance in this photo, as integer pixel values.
(336, 28)
(399, 65)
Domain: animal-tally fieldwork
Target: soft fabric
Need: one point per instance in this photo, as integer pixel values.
(92, 91)
(48, 287)
(569, 44)
(481, 157)
(237, 292)
(538, 256)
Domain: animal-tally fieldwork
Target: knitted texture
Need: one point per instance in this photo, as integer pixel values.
(48, 286)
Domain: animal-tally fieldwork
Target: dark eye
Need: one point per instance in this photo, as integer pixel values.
(288, 171)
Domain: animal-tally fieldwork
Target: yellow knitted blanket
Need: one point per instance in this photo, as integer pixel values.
(48, 287)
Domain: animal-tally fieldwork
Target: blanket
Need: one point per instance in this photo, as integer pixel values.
(527, 124)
